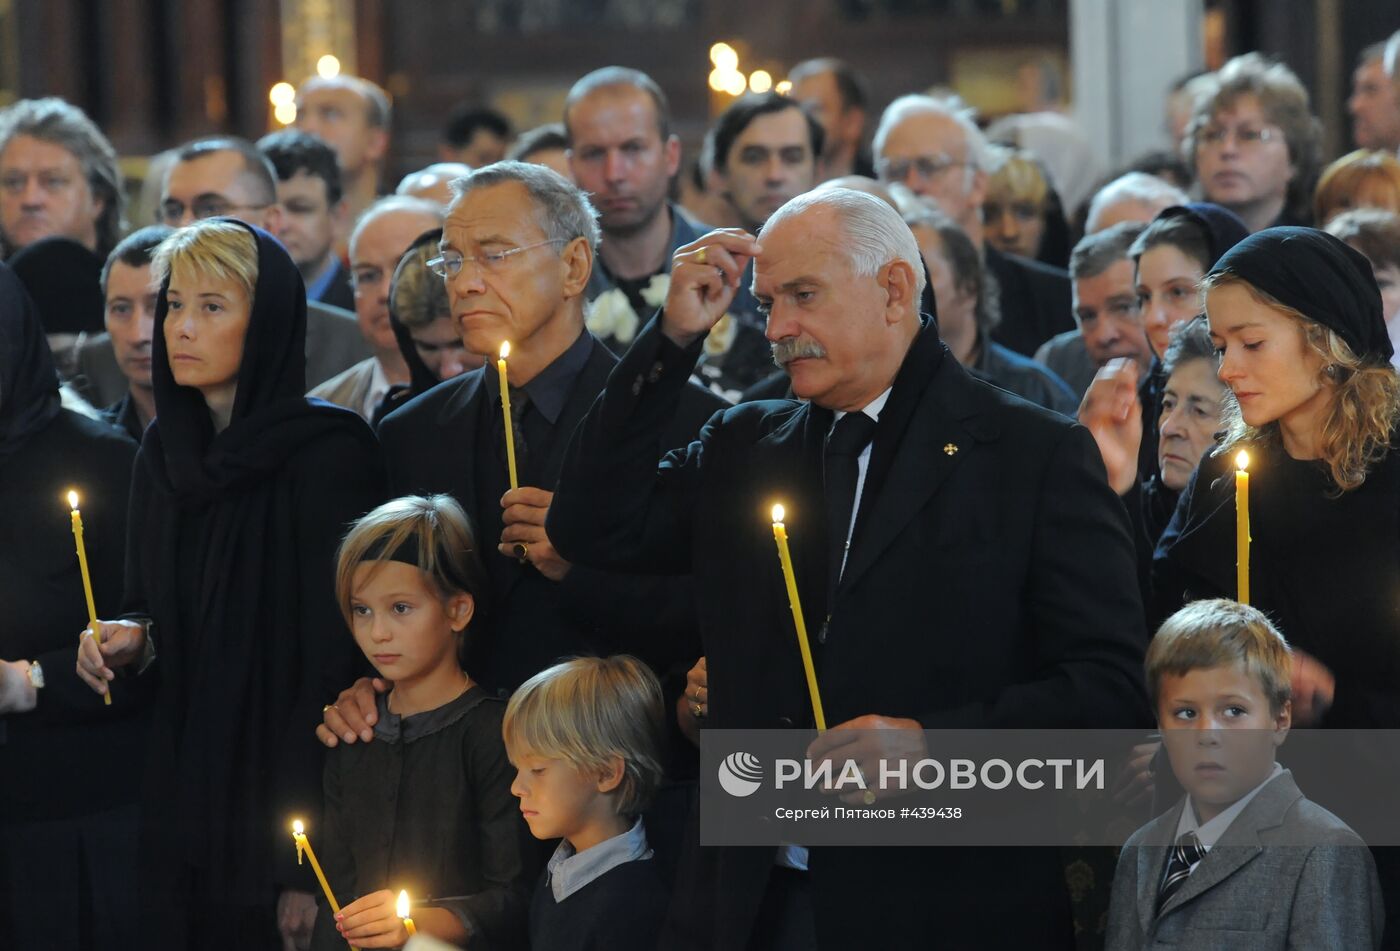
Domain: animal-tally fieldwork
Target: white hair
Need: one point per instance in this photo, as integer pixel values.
(1145, 189)
(951, 107)
(1391, 60)
(393, 203)
(875, 234)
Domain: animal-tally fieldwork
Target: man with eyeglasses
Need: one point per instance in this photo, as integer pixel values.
(381, 236)
(932, 147)
(58, 178)
(229, 176)
(517, 251)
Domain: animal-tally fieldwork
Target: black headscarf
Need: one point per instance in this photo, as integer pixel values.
(1223, 228)
(28, 380)
(235, 559)
(1321, 278)
(65, 280)
(421, 379)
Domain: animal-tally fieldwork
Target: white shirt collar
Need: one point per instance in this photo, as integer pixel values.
(1210, 832)
(378, 387)
(569, 871)
(874, 408)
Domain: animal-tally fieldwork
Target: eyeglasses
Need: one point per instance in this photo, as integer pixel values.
(449, 262)
(1245, 137)
(928, 167)
(172, 211)
(16, 182)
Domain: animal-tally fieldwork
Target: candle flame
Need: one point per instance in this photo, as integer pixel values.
(1242, 460)
(401, 907)
(505, 349)
(73, 500)
(298, 828)
(778, 513)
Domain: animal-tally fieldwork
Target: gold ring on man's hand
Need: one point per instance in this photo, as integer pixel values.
(522, 551)
(700, 255)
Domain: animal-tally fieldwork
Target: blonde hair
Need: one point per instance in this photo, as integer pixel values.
(1364, 408)
(418, 296)
(212, 248)
(444, 548)
(1216, 633)
(1346, 179)
(586, 711)
(1018, 177)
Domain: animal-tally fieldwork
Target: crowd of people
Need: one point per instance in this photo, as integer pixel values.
(456, 609)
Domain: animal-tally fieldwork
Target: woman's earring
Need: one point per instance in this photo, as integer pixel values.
(1333, 371)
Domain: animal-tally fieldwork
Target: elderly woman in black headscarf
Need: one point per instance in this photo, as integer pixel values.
(68, 766)
(241, 492)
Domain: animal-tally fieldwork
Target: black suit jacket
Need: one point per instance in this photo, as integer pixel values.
(989, 584)
(1036, 301)
(530, 622)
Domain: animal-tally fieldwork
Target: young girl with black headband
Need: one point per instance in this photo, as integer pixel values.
(428, 807)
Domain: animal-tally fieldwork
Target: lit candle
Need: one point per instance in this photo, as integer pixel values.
(505, 409)
(87, 580)
(304, 845)
(402, 911)
(784, 556)
(1242, 527)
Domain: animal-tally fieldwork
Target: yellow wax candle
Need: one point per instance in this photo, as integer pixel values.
(304, 845)
(87, 580)
(401, 909)
(505, 409)
(1242, 527)
(784, 556)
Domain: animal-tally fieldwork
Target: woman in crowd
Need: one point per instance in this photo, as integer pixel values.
(1360, 179)
(1255, 143)
(1376, 234)
(1022, 212)
(241, 489)
(423, 326)
(968, 311)
(69, 764)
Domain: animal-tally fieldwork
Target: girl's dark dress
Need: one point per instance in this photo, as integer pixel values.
(231, 554)
(426, 806)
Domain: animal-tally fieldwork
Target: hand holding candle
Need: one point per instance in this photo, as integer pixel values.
(402, 910)
(304, 846)
(1242, 527)
(785, 557)
(77, 519)
(505, 410)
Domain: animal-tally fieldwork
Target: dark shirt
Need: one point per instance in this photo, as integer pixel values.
(122, 415)
(1024, 377)
(621, 910)
(427, 806)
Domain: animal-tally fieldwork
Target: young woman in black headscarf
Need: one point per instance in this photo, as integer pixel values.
(68, 765)
(241, 492)
(1297, 317)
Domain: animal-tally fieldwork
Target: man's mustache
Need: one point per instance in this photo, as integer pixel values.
(797, 348)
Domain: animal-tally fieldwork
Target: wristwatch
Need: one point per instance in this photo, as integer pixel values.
(36, 675)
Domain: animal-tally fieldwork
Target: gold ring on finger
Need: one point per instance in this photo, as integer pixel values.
(700, 256)
(522, 551)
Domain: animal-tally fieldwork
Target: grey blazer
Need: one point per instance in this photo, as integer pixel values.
(1286, 874)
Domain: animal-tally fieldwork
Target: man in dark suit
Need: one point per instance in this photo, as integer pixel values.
(975, 570)
(517, 251)
(313, 212)
(933, 147)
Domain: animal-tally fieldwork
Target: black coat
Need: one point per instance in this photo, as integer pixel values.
(531, 622)
(1036, 301)
(995, 512)
(232, 555)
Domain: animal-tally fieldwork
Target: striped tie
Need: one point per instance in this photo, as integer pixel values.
(1187, 852)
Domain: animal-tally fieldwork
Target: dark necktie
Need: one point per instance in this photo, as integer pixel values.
(519, 406)
(1185, 854)
(844, 444)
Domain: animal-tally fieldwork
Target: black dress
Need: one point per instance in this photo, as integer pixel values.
(231, 555)
(69, 768)
(427, 806)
